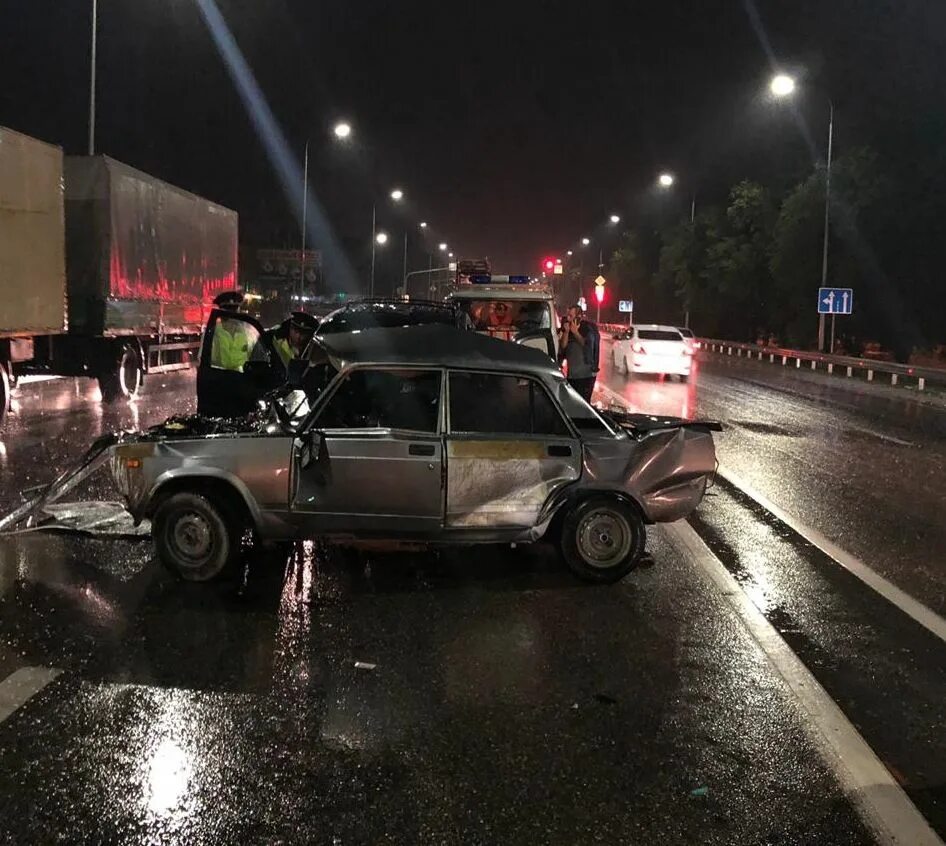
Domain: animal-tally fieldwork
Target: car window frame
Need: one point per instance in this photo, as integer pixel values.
(311, 423)
(575, 433)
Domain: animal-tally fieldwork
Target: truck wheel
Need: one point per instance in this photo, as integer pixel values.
(194, 538)
(4, 393)
(602, 539)
(123, 379)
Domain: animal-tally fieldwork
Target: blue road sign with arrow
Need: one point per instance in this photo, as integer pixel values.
(835, 300)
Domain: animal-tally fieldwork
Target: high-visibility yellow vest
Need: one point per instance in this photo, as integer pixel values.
(284, 350)
(231, 346)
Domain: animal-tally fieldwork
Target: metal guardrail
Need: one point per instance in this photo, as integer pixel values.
(866, 366)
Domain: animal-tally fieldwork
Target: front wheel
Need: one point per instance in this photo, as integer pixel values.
(194, 538)
(602, 539)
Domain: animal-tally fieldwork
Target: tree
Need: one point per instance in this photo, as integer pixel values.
(717, 266)
(860, 236)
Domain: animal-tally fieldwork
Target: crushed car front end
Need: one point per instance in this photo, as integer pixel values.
(664, 464)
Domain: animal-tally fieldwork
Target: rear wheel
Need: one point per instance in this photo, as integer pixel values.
(602, 539)
(122, 378)
(5, 389)
(195, 538)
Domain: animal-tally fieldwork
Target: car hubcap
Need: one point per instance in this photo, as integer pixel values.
(192, 537)
(604, 538)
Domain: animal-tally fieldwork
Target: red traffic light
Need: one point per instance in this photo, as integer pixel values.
(599, 293)
(549, 265)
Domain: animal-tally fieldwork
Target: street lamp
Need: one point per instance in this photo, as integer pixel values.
(442, 247)
(381, 238)
(782, 86)
(585, 242)
(397, 195)
(95, 39)
(423, 224)
(665, 180)
(449, 255)
(569, 252)
(342, 130)
(615, 218)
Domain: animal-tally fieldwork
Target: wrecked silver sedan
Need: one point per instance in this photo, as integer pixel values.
(420, 434)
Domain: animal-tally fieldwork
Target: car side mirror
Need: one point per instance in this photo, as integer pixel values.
(313, 450)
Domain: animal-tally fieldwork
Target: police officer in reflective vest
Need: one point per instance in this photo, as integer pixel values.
(231, 346)
(292, 336)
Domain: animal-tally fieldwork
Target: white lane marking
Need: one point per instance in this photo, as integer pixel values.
(21, 685)
(863, 777)
(925, 616)
(913, 608)
(880, 435)
(33, 380)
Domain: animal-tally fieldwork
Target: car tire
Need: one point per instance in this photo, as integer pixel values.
(684, 378)
(5, 391)
(194, 538)
(122, 378)
(602, 539)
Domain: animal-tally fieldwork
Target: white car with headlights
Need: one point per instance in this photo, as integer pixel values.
(653, 349)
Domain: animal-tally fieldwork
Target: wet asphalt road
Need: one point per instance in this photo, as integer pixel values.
(863, 464)
(506, 703)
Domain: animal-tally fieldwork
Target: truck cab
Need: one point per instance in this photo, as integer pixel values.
(511, 308)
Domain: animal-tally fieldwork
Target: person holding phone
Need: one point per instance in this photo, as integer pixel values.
(578, 345)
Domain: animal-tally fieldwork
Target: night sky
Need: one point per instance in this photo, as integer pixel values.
(514, 128)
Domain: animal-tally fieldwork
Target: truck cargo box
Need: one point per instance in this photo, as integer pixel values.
(32, 264)
(142, 257)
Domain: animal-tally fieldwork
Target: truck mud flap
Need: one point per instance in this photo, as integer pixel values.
(23, 517)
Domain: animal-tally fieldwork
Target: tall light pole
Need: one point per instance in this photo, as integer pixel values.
(666, 181)
(95, 39)
(396, 195)
(342, 131)
(783, 85)
(305, 209)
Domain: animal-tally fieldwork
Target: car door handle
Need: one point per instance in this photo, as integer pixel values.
(421, 449)
(560, 450)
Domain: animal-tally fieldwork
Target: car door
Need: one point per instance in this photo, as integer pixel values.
(374, 463)
(540, 339)
(508, 448)
(234, 367)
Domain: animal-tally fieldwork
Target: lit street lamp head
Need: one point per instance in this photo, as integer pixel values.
(615, 218)
(665, 180)
(585, 241)
(423, 224)
(442, 247)
(569, 252)
(397, 195)
(381, 238)
(782, 85)
(449, 255)
(342, 130)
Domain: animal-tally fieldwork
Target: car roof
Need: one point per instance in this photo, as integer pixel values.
(434, 345)
(505, 292)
